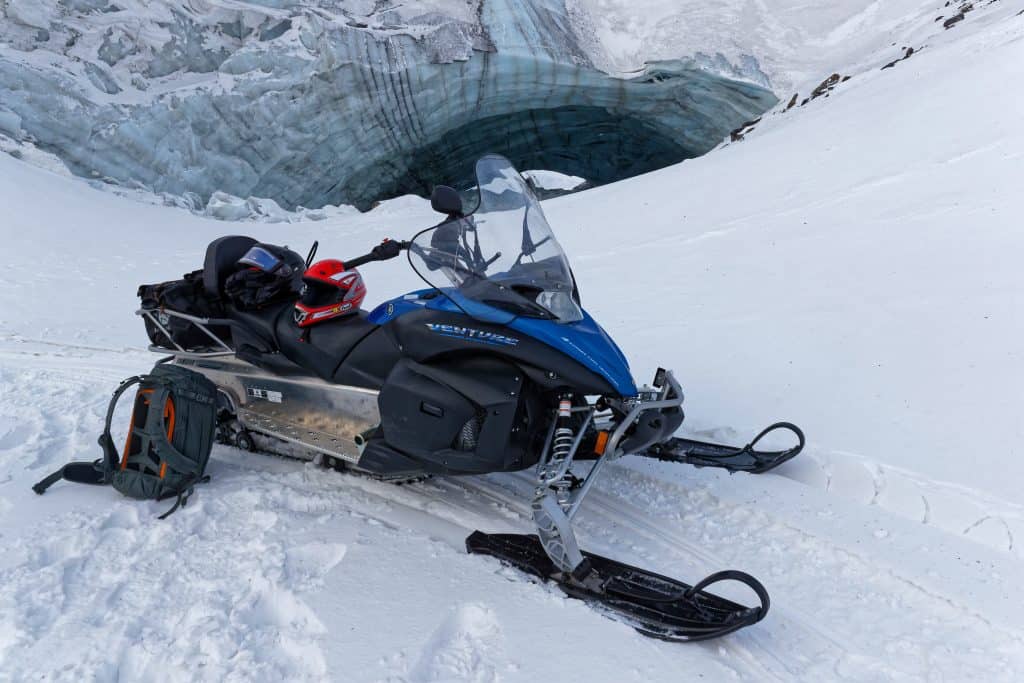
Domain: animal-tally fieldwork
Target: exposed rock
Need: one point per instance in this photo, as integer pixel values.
(908, 52)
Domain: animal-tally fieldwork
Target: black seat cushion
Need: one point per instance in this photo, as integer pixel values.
(221, 257)
(258, 329)
(325, 345)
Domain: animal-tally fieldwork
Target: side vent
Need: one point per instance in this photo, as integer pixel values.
(469, 435)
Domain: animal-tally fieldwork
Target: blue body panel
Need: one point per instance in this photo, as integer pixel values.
(390, 310)
(584, 341)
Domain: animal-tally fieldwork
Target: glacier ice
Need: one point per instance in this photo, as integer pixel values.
(317, 102)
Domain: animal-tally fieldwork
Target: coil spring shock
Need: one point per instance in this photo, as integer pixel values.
(561, 446)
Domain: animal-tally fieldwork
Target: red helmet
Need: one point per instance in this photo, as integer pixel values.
(328, 291)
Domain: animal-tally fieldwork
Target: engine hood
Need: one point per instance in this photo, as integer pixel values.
(586, 343)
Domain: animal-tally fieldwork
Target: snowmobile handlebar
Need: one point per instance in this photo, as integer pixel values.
(386, 250)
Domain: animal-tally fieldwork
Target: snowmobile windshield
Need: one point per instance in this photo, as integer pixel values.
(502, 255)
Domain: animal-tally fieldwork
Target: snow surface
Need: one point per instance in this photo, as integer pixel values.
(851, 265)
(552, 180)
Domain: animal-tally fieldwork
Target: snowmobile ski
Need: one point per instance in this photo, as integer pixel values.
(745, 459)
(654, 605)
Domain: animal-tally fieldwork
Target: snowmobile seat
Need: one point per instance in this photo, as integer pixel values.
(256, 330)
(221, 256)
(323, 347)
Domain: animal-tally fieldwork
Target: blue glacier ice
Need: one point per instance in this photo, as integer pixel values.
(318, 102)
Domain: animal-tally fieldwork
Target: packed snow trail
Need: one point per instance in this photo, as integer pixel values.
(282, 570)
(851, 265)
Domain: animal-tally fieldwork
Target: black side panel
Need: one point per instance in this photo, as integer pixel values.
(462, 415)
(547, 367)
(419, 414)
(368, 364)
(323, 347)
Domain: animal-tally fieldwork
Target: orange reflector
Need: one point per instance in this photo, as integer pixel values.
(601, 443)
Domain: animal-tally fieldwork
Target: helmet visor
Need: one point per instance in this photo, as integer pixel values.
(258, 257)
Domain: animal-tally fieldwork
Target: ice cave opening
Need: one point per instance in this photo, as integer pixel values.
(590, 142)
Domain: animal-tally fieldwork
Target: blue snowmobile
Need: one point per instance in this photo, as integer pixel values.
(494, 367)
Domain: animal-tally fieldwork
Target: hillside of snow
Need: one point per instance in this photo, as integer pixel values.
(851, 264)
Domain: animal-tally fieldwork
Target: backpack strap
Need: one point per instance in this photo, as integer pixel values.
(183, 493)
(154, 435)
(98, 471)
(110, 456)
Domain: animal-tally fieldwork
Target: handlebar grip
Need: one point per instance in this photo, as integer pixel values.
(384, 251)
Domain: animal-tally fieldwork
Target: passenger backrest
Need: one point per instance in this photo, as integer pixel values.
(221, 256)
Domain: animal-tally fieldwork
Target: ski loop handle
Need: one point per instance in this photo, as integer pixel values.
(745, 459)
(749, 448)
(735, 575)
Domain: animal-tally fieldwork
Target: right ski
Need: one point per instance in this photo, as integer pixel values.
(745, 459)
(655, 605)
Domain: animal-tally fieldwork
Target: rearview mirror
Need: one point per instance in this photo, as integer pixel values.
(446, 200)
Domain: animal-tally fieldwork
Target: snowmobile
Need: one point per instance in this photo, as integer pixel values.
(494, 367)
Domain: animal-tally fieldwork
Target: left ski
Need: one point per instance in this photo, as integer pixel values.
(654, 605)
(745, 459)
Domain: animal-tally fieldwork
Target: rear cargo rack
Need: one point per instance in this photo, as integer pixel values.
(152, 314)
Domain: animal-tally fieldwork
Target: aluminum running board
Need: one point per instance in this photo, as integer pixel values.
(322, 417)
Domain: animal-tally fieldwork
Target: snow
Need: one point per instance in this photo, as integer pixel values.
(552, 180)
(850, 265)
(35, 13)
(785, 44)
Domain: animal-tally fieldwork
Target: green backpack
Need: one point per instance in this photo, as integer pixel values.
(172, 428)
